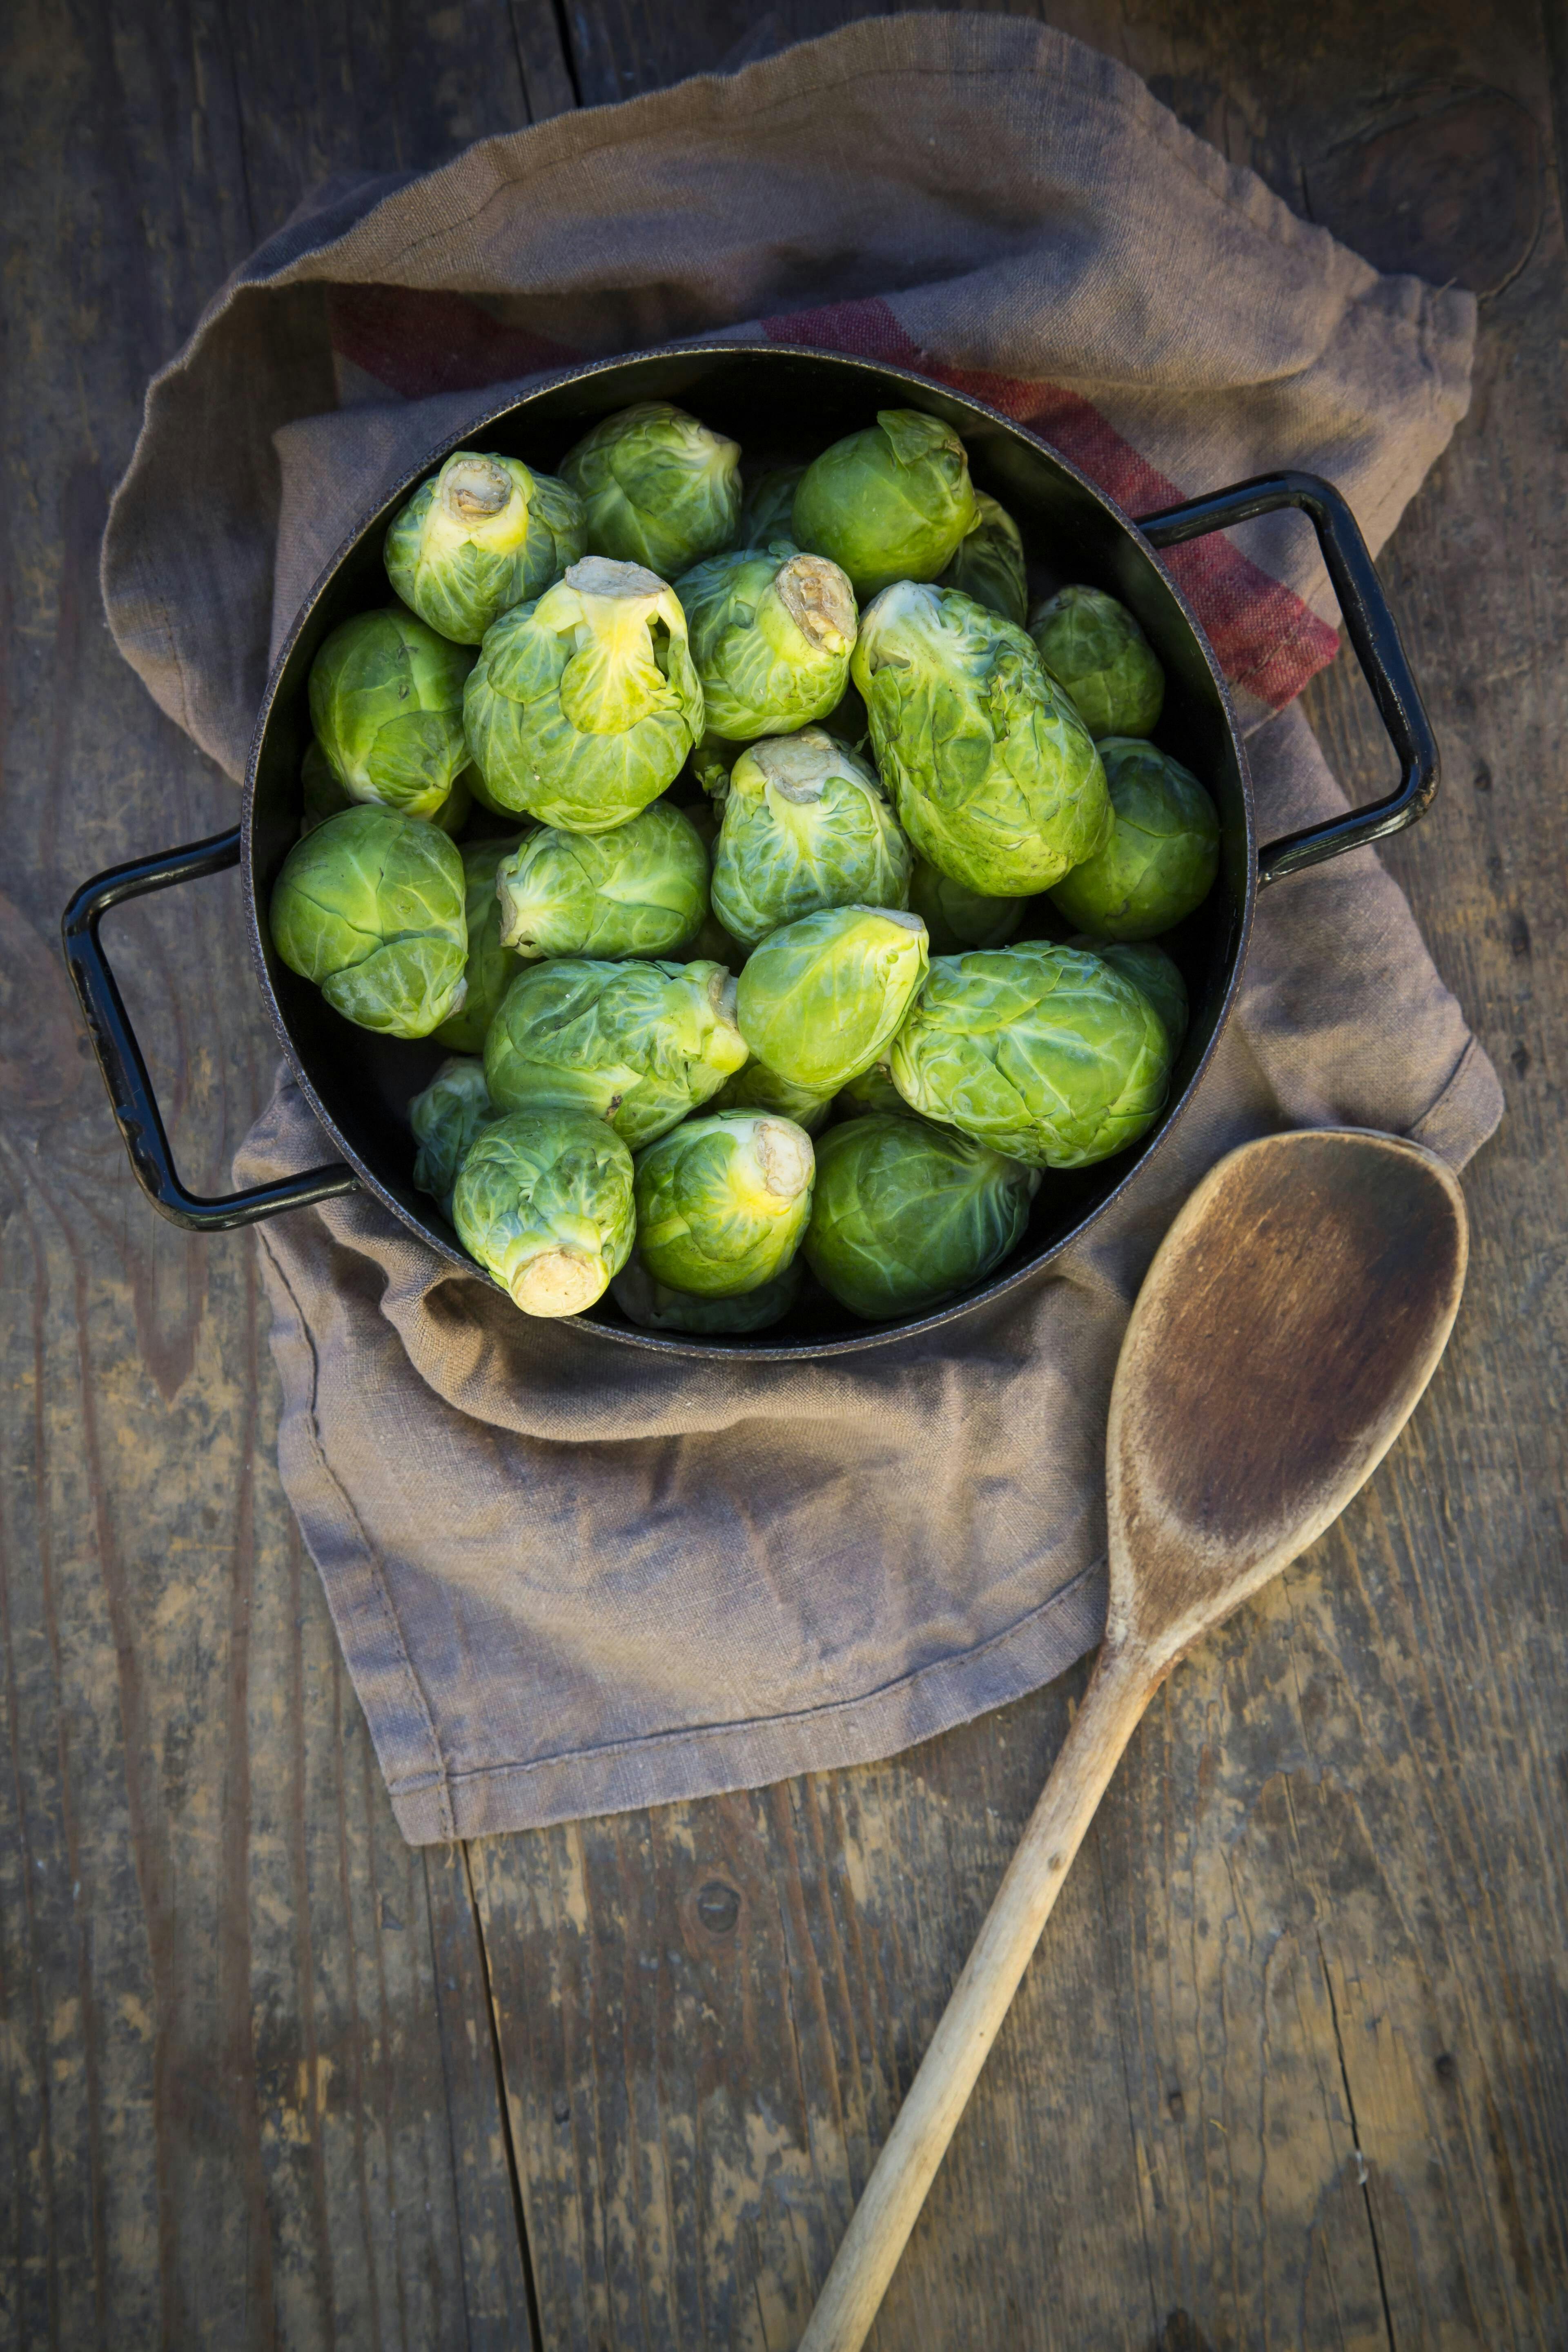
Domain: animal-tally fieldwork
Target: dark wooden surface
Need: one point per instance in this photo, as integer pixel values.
(1292, 2067)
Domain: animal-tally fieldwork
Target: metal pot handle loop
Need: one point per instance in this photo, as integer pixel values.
(124, 1069)
(1372, 630)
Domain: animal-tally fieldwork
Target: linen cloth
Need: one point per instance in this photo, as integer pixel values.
(569, 1576)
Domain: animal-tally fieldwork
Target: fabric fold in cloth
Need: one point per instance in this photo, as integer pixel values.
(569, 1576)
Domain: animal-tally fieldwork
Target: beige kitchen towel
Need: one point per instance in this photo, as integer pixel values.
(570, 1576)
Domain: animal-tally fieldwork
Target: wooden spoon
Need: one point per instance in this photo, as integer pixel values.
(1289, 1321)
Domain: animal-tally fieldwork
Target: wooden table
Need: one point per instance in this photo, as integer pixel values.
(1292, 2067)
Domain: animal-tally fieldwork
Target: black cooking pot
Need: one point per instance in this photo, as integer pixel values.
(777, 402)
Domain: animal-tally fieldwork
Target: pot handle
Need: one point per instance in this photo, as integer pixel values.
(1371, 628)
(119, 1057)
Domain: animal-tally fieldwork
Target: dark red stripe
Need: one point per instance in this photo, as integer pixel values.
(417, 343)
(1266, 638)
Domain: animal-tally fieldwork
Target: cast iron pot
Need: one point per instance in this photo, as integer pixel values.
(777, 402)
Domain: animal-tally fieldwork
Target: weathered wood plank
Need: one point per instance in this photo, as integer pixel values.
(243, 2029)
(1290, 2066)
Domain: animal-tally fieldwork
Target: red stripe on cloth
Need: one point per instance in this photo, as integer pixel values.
(417, 343)
(1265, 637)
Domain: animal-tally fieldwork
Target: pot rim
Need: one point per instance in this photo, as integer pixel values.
(754, 1348)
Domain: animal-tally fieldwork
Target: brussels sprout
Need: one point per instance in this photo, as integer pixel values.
(639, 1044)
(906, 1215)
(387, 703)
(990, 768)
(643, 1300)
(543, 1200)
(1152, 970)
(1044, 1053)
(483, 534)
(872, 1090)
(722, 1201)
(958, 918)
(989, 565)
(657, 487)
(582, 708)
(756, 1087)
(770, 634)
(370, 907)
(641, 890)
(491, 966)
(766, 506)
(1097, 649)
(446, 1118)
(890, 503)
(820, 999)
(805, 825)
(1163, 854)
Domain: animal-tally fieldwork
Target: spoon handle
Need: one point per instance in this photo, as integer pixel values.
(878, 2231)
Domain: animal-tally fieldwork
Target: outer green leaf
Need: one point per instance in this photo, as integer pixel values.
(1152, 970)
(483, 534)
(820, 999)
(370, 907)
(958, 918)
(639, 1044)
(641, 890)
(658, 488)
(890, 503)
(990, 768)
(1097, 649)
(1160, 860)
(658, 1308)
(543, 1202)
(805, 825)
(583, 707)
(907, 1215)
(771, 632)
(446, 1118)
(722, 1203)
(491, 967)
(1044, 1053)
(766, 506)
(387, 703)
(989, 565)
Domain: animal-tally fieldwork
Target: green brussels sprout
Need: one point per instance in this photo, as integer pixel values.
(907, 1215)
(990, 768)
(446, 1118)
(756, 1087)
(873, 1090)
(387, 703)
(1102, 657)
(641, 890)
(370, 906)
(989, 565)
(643, 1300)
(322, 796)
(890, 503)
(722, 1203)
(491, 966)
(820, 999)
(1160, 860)
(483, 534)
(1152, 970)
(1044, 1053)
(543, 1200)
(958, 918)
(582, 708)
(657, 487)
(766, 505)
(638, 1044)
(806, 825)
(771, 636)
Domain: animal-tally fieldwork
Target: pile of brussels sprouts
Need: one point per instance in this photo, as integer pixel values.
(699, 820)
